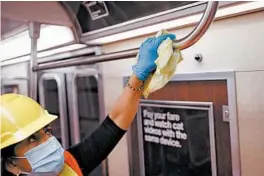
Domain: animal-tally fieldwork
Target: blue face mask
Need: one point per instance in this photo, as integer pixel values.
(46, 157)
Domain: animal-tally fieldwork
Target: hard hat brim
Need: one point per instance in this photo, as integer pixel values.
(28, 130)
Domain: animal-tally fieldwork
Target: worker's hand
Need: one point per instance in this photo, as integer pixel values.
(147, 56)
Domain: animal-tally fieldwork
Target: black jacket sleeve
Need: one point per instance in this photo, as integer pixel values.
(91, 151)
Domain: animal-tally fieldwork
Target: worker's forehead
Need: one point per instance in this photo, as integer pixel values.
(42, 129)
(37, 133)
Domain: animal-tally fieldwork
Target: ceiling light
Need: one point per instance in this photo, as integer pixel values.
(50, 36)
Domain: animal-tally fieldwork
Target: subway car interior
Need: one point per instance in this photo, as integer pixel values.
(74, 58)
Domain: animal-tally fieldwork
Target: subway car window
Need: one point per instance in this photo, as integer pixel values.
(9, 89)
(52, 105)
(88, 105)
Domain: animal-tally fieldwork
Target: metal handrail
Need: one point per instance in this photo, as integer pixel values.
(200, 29)
(183, 43)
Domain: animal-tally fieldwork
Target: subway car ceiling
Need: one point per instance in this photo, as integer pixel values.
(82, 18)
(116, 21)
(93, 20)
(102, 19)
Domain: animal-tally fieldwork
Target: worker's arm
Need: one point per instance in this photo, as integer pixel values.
(91, 151)
(126, 106)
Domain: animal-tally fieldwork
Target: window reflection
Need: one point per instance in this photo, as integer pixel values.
(10, 89)
(88, 104)
(52, 105)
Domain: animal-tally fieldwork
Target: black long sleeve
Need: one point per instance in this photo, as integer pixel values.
(90, 152)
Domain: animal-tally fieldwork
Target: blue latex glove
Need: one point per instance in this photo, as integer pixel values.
(147, 56)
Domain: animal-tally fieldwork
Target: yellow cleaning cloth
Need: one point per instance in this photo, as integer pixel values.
(167, 61)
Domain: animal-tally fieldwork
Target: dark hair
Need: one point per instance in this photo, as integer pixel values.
(6, 155)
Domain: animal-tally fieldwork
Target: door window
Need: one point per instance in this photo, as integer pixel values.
(88, 109)
(88, 104)
(52, 105)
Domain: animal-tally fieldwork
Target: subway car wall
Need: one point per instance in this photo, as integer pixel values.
(225, 47)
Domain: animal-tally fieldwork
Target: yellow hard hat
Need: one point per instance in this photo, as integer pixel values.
(21, 117)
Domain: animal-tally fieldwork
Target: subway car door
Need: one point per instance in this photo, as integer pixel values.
(85, 109)
(52, 96)
(163, 159)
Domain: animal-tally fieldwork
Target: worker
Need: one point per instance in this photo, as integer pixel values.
(27, 143)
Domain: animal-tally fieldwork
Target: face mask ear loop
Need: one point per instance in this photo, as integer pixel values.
(20, 157)
(26, 173)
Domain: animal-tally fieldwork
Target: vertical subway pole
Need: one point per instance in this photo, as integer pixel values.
(34, 31)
